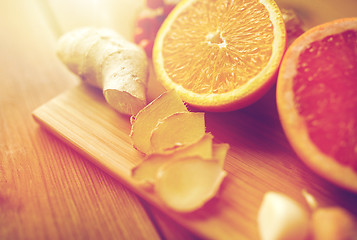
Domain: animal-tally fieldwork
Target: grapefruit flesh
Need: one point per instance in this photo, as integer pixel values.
(325, 90)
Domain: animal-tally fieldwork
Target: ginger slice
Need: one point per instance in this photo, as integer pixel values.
(219, 152)
(280, 217)
(146, 120)
(104, 59)
(202, 148)
(186, 184)
(177, 130)
(146, 171)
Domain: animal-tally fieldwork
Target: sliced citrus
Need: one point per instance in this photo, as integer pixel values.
(317, 99)
(220, 55)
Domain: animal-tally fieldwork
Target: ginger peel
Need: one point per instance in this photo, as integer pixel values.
(176, 130)
(186, 184)
(146, 120)
(182, 165)
(104, 59)
(146, 172)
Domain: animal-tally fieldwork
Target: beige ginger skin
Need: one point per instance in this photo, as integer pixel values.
(104, 59)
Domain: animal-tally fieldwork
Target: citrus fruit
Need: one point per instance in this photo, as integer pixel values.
(149, 21)
(317, 100)
(220, 55)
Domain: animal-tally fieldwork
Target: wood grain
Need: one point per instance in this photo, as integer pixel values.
(260, 160)
(47, 190)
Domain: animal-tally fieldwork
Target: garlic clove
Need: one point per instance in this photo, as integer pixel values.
(280, 217)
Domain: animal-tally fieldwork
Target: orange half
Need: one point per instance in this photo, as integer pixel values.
(220, 55)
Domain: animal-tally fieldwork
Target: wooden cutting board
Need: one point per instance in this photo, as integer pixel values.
(259, 160)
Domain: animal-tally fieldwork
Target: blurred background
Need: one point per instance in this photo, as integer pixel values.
(65, 15)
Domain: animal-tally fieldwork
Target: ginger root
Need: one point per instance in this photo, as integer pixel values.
(104, 59)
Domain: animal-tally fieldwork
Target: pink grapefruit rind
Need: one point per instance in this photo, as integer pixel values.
(294, 126)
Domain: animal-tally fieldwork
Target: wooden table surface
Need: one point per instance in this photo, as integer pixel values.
(47, 190)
